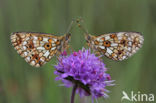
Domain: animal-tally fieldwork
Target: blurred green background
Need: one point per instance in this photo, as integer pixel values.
(21, 83)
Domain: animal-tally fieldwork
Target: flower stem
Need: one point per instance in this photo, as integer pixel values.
(73, 93)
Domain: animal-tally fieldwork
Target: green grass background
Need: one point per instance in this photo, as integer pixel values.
(21, 83)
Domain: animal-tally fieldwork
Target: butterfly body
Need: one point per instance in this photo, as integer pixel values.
(38, 48)
(117, 46)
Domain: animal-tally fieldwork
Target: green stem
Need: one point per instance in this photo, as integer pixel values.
(73, 93)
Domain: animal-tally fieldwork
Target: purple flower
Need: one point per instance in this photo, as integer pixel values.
(85, 70)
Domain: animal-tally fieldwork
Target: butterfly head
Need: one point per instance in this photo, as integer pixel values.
(88, 38)
(64, 42)
(67, 36)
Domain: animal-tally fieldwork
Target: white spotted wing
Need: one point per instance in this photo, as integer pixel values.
(117, 46)
(38, 48)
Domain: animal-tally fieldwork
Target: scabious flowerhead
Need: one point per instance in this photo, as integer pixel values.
(85, 70)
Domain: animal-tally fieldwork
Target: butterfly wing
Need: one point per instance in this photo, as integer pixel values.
(38, 48)
(117, 46)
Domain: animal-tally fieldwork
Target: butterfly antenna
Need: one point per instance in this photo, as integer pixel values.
(70, 27)
(79, 21)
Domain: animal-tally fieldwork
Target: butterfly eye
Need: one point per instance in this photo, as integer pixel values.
(68, 36)
(87, 37)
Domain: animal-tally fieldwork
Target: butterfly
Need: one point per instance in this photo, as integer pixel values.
(38, 48)
(116, 46)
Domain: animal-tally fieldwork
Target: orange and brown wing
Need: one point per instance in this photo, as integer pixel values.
(37, 48)
(117, 46)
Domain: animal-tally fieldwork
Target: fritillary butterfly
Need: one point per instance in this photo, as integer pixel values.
(117, 46)
(38, 48)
